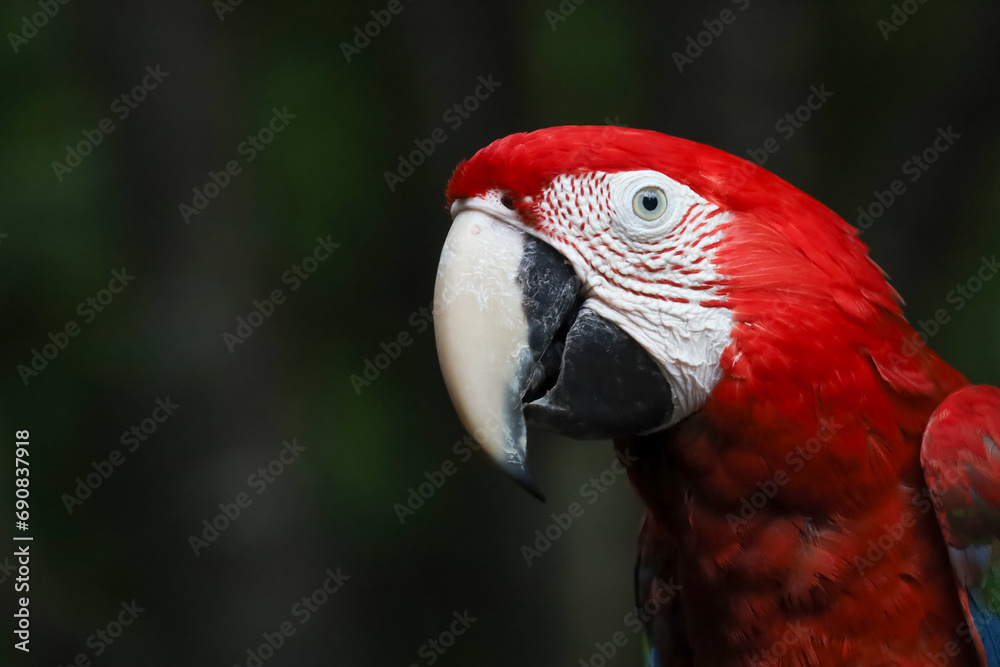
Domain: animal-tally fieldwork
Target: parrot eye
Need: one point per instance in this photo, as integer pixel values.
(649, 203)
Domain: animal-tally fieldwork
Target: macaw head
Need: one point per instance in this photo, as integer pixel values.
(603, 282)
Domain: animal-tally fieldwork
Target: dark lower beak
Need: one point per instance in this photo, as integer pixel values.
(515, 340)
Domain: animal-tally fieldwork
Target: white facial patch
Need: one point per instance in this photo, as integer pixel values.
(648, 267)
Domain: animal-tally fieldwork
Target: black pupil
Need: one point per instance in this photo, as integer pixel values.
(650, 201)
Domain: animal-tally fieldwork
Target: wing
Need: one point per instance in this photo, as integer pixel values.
(961, 463)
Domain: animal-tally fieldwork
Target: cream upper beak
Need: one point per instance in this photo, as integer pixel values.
(482, 333)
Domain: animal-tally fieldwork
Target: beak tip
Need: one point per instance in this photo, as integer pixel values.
(525, 480)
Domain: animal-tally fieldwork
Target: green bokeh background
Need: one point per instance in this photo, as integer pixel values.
(324, 176)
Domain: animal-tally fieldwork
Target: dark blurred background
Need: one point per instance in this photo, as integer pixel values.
(222, 72)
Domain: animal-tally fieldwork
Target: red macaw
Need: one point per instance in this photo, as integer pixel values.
(809, 467)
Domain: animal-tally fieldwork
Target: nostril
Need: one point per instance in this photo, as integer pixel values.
(507, 202)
